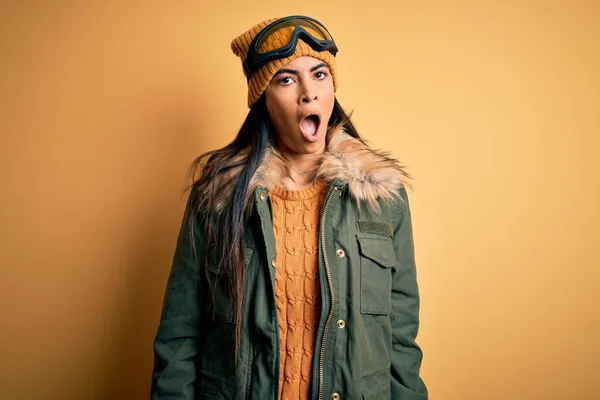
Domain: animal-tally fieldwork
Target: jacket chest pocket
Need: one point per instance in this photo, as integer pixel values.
(377, 257)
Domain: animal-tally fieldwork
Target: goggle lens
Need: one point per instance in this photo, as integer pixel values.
(317, 31)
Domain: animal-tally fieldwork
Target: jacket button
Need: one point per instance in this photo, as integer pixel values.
(335, 396)
(273, 263)
(262, 197)
(340, 253)
(341, 324)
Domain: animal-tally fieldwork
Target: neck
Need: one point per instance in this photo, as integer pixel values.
(301, 169)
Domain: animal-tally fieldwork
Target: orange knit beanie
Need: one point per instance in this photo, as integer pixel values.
(260, 79)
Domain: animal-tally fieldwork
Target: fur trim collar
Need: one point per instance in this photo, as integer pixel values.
(370, 175)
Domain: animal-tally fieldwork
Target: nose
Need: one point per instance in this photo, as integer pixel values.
(308, 94)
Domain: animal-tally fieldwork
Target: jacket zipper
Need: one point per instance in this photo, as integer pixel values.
(328, 272)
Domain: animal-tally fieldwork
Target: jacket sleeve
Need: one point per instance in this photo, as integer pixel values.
(177, 340)
(406, 354)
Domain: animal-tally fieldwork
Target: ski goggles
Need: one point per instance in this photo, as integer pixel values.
(308, 29)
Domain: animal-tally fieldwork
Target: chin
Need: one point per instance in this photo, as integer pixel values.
(314, 147)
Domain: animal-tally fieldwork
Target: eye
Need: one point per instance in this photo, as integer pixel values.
(283, 81)
(321, 72)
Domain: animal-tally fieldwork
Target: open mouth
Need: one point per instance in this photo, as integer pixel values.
(310, 124)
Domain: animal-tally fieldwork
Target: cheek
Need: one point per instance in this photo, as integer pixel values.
(281, 114)
(329, 100)
(274, 108)
(284, 112)
(327, 94)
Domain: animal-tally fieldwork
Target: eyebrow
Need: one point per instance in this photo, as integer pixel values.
(295, 72)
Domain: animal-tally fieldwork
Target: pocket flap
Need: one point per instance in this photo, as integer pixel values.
(380, 227)
(378, 249)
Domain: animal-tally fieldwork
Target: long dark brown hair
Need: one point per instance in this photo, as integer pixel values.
(221, 212)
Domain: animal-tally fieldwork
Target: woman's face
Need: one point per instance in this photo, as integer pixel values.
(303, 87)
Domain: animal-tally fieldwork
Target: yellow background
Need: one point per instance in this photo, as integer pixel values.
(494, 106)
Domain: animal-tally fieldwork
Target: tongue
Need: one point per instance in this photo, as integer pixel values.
(308, 126)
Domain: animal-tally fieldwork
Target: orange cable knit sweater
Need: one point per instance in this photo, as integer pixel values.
(296, 215)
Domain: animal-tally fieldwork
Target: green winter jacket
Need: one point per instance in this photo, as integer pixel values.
(365, 346)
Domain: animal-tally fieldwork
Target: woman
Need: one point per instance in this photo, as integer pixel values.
(294, 273)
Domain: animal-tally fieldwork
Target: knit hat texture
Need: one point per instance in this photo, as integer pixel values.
(260, 79)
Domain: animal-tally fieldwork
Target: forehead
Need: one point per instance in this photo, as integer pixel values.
(304, 62)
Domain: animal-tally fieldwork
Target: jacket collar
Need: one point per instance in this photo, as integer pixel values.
(369, 174)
